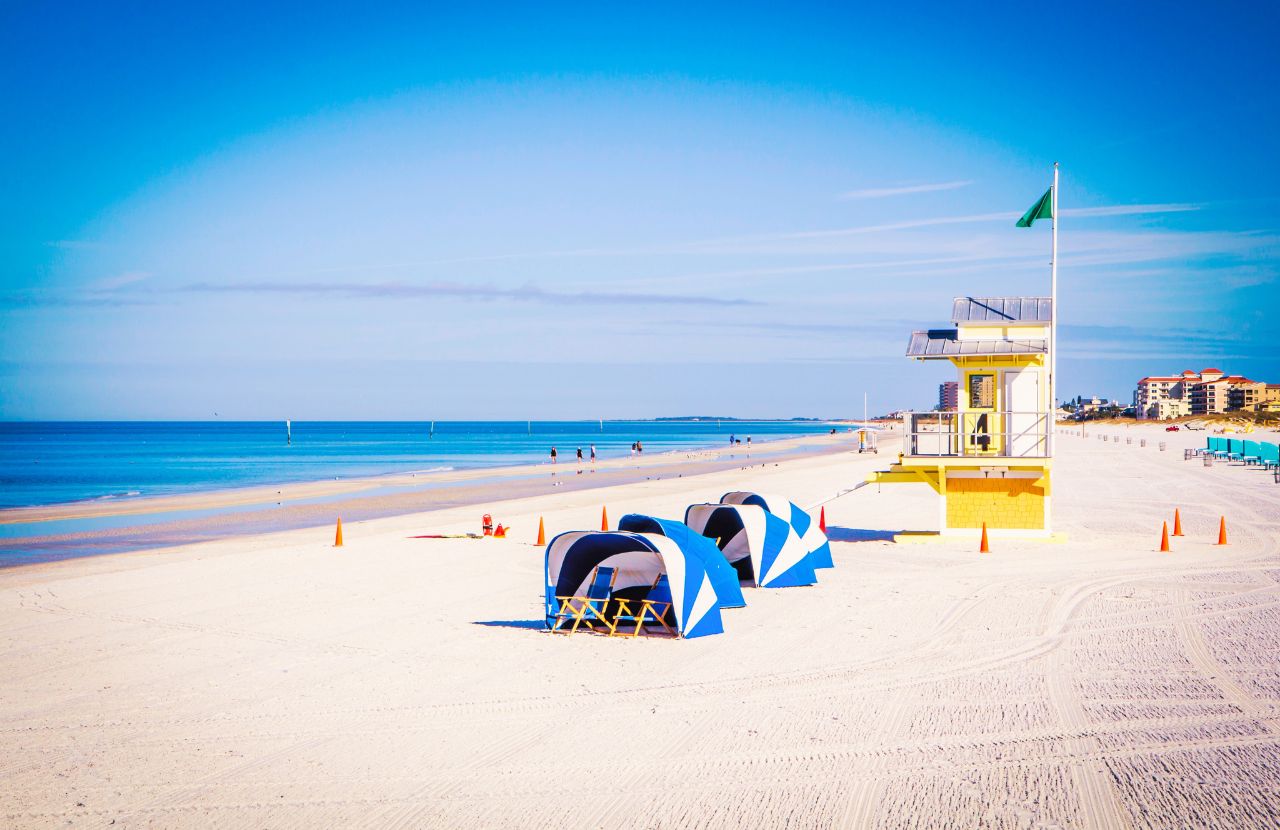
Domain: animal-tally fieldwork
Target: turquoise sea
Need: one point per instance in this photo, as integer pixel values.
(52, 462)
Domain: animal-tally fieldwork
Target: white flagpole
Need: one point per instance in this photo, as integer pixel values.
(1053, 322)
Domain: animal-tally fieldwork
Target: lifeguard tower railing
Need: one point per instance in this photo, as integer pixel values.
(978, 434)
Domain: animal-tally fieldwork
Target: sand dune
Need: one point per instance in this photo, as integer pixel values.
(277, 681)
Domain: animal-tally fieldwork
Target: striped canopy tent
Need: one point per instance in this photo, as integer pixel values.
(724, 578)
(638, 558)
(806, 528)
(762, 547)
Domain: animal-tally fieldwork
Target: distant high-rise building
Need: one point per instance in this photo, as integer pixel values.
(949, 396)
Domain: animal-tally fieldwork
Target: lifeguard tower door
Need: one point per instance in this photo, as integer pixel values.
(1026, 413)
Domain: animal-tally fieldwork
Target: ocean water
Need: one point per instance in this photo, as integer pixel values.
(53, 462)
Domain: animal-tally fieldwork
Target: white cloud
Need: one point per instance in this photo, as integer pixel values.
(882, 192)
(1131, 210)
(120, 280)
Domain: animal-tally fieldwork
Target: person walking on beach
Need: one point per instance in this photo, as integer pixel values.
(553, 455)
(593, 455)
(633, 448)
(639, 448)
(579, 456)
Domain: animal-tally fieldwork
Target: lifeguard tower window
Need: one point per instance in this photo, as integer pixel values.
(982, 391)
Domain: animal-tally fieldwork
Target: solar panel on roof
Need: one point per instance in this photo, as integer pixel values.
(946, 343)
(1001, 309)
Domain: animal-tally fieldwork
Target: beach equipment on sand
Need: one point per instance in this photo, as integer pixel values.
(724, 577)
(591, 606)
(1252, 453)
(1222, 530)
(763, 547)
(1164, 537)
(984, 546)
(542, 533)
(638, 559)
(337, 536)
(651, 609)
(811, 535)
(1270, 455)
(604, 518)
(1177, 522)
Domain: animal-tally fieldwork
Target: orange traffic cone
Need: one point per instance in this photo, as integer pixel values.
(542, 533)
(604, 518)
(1164, 537)
(1222, 531)
(337, 538)
(822, 519)
(984, 547)
(1177, 522)
(499, 532)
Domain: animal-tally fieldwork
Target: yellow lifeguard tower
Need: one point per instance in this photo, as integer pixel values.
(990, 459)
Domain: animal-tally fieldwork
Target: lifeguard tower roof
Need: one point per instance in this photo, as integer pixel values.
(980, 322)
(1002, 310)
(946, 343)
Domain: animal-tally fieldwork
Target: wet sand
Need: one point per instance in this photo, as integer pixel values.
(165, 521)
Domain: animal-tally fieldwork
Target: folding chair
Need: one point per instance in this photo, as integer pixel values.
(625, 614)
(654, 608)
(594, 604)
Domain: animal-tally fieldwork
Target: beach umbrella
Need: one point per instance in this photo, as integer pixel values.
(763, 548)
(811, 535)
(638, 559)
(724, 577)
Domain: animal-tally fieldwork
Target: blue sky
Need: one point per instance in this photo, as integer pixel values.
(323, 212)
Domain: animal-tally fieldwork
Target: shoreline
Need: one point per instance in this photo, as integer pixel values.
(168, 521)
(100, 506)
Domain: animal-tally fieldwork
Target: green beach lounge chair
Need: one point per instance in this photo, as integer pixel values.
(1270, 455)
(1252, 453)
(1235, 449)
(1221, 447)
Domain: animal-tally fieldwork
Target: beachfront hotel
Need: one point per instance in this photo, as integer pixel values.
(1207, 392)
(989, 458)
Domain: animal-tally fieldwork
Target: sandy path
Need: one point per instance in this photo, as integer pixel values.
(275, 681)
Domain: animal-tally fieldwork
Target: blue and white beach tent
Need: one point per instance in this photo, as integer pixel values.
(724, 577)
(763, 548)
(638, 558)
(806, 528)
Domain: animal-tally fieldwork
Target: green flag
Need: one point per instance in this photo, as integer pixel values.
(1042, 209)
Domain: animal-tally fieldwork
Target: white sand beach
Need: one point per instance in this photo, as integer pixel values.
(277, 681)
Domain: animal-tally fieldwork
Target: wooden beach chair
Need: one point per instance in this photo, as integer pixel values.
(654, 608)
(583, 609)
(626, 614)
